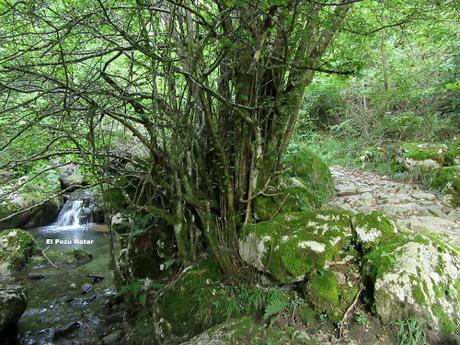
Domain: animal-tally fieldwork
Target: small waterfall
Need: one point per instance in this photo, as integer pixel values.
(70, 214)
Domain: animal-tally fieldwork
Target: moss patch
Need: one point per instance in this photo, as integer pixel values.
(447, 179)
(313, 172)
(20, 195)
(453, 155)
(16, 249)
(306, 184)
(181, 309)
(247, 331)
(291, 245)
(373, 229)
(328, 295)
(420, 152)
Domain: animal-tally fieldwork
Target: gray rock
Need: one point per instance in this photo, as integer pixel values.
(86, 288)
(66, 330)
(416, 281)
(70, 176)
(36, 276)
(13, 303)
(112, 339)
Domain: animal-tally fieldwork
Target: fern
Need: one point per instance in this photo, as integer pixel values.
(275, 304)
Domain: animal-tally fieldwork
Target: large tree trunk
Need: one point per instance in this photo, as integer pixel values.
(211, 89)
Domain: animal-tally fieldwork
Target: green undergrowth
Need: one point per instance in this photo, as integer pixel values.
(373, 155)
(410, 332)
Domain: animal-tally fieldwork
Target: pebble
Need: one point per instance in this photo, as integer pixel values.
(86, 288)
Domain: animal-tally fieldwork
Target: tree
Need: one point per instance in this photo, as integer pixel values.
(211, 90)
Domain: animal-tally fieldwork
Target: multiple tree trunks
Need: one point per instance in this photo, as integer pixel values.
(211, 90)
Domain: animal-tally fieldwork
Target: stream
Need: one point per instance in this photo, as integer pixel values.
(63, 301)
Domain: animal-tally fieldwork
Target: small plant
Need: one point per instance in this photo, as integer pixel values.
(410, 332)
(361, 317)
(276, 303)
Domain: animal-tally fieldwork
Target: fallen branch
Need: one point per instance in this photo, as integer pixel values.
(47, 258)
(347, 312)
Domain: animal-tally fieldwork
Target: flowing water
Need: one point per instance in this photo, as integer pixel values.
(70, 214)
(58, 299)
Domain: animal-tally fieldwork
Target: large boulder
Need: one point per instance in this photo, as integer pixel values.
(291, 245)
(245, 331)
(306, 184)
(16, 249)
(447, 179)
(71, 177)
(416, 275)
(422, 156)
(27, 202)
(13, 303)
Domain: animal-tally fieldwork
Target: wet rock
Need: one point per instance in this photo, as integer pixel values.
(112, 339)
(36, 276)
(114, 318)
(86, 288)
(70, 176)
(64, 331)
(96, 278)
(81, 256)
(16, 249)
(13, 303)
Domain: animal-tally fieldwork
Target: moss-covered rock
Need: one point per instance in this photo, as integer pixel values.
(13, 302)
(292, 195)
(373, 229)
(313, 172)
(247, 332)
(447, 179)
(416, 275)
(20, 195)
(291, 245)
(183, 309)
(331, 292)
(306, 184)
(453, 154)
(16, 249)
(422, 155)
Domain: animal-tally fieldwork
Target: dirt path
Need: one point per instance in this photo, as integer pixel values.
(413, 207)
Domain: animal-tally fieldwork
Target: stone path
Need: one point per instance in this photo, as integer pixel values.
(413, 207)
